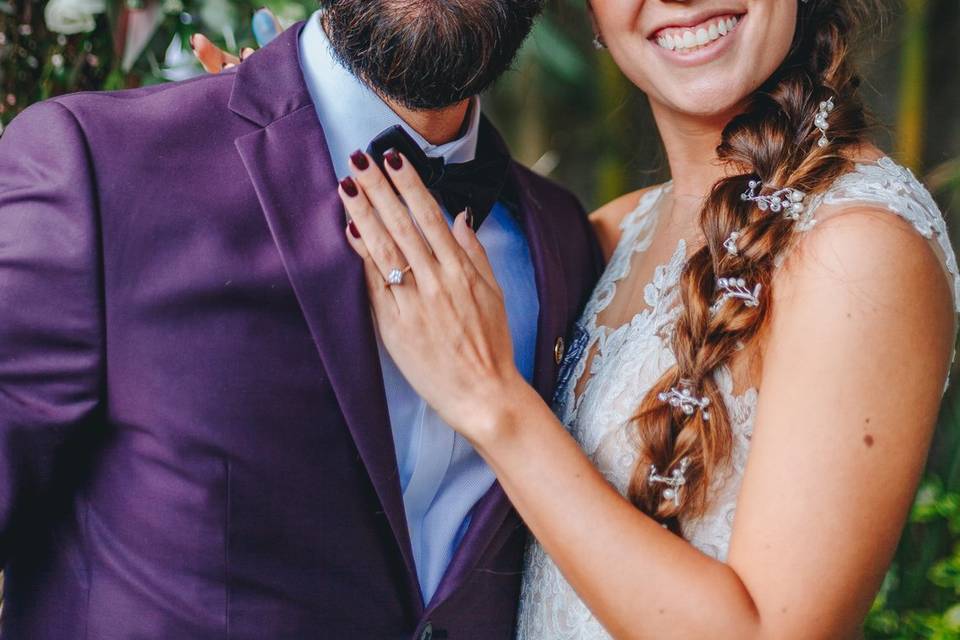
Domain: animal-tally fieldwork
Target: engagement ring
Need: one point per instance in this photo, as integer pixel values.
(395, 277)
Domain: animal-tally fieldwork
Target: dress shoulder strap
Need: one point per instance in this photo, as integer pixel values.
(896, 189)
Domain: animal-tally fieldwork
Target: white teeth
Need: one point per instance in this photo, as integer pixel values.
(689, 39)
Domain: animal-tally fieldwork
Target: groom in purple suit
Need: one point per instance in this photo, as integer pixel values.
(200, 435)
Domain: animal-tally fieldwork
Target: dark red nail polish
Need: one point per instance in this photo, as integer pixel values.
(349, 187)
(469, 215)
(394, 159)
(359, 160)
(353, 230)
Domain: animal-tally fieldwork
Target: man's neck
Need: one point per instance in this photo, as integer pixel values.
(438, 126)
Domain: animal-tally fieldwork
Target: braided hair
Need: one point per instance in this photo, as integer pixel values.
(775, 141)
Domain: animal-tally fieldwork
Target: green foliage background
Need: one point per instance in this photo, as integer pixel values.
(568, 111)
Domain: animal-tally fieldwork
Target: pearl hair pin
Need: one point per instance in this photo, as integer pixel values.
(820, 122)
(674, 481)
(736, 288)
(787, 200)
(730, 244)
(681, 397)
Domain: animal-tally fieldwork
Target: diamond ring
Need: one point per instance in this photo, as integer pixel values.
(395, 277)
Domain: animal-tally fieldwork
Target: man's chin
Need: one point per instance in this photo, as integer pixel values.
(432, 59)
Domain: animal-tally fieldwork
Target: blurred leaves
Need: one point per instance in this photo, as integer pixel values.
(937, 614)
(130, 44)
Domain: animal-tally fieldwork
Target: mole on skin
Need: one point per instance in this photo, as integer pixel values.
(868, 439)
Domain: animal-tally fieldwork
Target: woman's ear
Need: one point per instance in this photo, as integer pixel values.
(598, 42)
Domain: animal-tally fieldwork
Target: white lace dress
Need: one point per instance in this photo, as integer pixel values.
(627, 361)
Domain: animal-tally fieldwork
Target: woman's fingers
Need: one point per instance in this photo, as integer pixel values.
(213, 59)
(423, 207)
(266, 26)
(382, 300)
(370, 231)
(393, 212)
(467, 239)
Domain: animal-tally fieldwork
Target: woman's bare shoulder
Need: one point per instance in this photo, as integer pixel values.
(606, 220)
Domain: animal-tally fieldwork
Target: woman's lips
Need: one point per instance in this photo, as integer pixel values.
(685, 40)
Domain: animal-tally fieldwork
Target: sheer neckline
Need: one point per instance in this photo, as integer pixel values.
(596, 342)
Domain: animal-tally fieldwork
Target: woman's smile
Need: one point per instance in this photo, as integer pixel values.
(700, 41)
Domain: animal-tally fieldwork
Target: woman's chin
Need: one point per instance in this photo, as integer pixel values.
(706, 105)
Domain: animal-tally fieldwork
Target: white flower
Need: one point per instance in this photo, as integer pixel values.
(73, 16)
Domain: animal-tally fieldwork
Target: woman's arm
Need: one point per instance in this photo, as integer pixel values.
(852, 374)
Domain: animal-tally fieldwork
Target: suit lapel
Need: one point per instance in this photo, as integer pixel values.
(289, 165)
(490, 513)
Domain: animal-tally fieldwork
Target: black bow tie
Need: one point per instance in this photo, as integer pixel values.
(477, 184)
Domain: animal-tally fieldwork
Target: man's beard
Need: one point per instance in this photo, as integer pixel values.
(428, 54)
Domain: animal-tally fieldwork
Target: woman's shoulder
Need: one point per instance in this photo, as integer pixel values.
(871, 272)
(880, 212)
(879, 240)
(608, 220)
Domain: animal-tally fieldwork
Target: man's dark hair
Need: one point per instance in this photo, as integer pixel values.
(428, 54)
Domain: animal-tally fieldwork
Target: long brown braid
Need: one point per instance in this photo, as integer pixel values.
(773, 140)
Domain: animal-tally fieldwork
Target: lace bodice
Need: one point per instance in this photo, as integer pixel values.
(607, 372)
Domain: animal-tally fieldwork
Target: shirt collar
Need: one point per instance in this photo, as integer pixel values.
(352, 115)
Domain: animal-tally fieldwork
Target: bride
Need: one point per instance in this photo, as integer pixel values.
(746, 405)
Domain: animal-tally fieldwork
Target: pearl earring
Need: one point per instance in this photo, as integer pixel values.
(598, 42)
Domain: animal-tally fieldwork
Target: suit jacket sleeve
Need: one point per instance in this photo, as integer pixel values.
(50, 309)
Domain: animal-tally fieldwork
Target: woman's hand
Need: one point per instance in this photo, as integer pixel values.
(445, 324)
(266, 27)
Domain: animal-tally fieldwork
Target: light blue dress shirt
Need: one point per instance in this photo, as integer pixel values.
(441, 475)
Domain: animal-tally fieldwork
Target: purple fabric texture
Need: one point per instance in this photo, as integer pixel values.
(194, 440)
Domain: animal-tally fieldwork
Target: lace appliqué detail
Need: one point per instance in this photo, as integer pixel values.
(637, 233)
(624, 362)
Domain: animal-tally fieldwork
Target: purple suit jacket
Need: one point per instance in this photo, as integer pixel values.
(194, 440)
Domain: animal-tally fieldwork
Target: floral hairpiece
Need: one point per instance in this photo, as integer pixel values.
(674, 481)
(820, 122)
(788, 200)
(736, 288)
(730, 244)
(682, 397)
